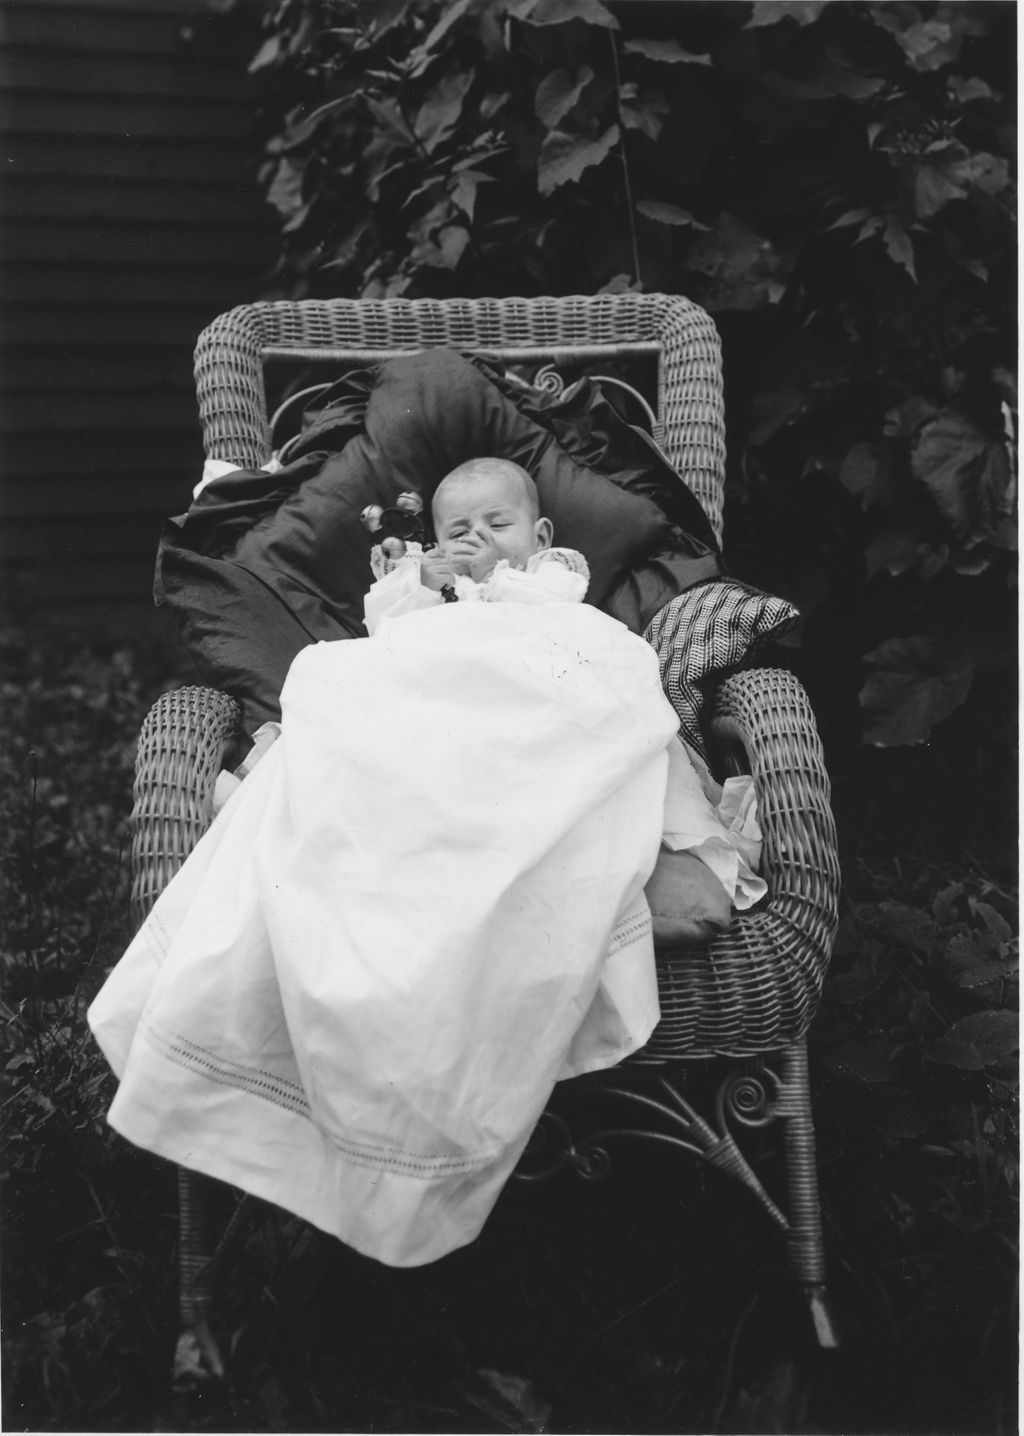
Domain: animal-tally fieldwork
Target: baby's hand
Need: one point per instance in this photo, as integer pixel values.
(474, 554)
(436, 570)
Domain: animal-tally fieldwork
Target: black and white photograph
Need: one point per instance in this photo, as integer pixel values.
(509, 694)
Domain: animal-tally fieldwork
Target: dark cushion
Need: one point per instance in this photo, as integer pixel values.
(426, 414)
(253, 544)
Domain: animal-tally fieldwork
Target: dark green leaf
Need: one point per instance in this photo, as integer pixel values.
(928, 45)
(285, 192)
(963, 952)
(977, 1041)
(389, 118)
(463, 191)
(898, 246)
(967, 474)
(993, 920)
(510, 1402)
(983, 973)
(831, 80)
(492, 104)
(770, 12)
(745, 269)
(851, 216)
(303, 130)
(267, 55)
(937, 179)
(905, 548)
(558, 12)
(441, 238)
(873, 225)
(440, 113)
(945, 901)
(665, 52)
(865, 472)
(558, 92)
(564, 157)
(346, 247)
(663, 213)
(430, 48)
(913, 684)
(967, 89)
(988, 173)
(643, 109)
(621, 284)
(387, 13)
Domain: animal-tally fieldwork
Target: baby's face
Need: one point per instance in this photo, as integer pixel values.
(487, 513)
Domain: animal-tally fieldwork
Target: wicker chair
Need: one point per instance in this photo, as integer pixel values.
(750, 995)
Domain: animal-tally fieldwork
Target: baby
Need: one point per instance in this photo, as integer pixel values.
(438, 867)
(484, 511)
(492, 544)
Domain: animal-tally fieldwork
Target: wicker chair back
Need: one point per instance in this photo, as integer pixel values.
(233, 352)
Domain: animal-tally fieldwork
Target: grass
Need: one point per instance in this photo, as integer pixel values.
(656, 1301)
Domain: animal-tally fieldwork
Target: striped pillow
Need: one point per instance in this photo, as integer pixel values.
(707, 632)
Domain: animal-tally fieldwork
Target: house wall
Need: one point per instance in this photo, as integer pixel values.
(130, 217)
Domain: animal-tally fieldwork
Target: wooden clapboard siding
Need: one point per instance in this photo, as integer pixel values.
(134, 329)
(78, 117)
(123, 452)
(77, 73)
(151, 283)
(29, 240)
(129, 216)
(165, 176)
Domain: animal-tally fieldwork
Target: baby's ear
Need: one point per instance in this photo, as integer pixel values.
(545, 532)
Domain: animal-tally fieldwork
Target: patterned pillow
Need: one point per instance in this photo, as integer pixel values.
(707, 632)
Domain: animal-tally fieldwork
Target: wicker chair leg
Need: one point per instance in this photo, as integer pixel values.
(197, 1357)
(806, 1244)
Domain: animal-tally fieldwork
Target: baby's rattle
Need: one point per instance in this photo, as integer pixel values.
(404, 520)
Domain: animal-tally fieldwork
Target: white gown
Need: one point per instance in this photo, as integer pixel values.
(422, 908)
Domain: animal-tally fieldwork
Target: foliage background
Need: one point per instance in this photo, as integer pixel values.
(833, 181)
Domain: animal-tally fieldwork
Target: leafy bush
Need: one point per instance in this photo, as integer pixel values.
(88, 1222)
(623, 1304)
(918, 1131)
(832, 181)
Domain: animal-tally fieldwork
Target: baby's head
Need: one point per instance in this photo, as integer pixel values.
(490, 502)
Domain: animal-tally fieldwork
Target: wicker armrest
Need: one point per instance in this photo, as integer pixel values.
(181, 750)
(757, 987)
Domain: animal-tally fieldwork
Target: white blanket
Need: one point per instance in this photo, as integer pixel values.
(422, 908)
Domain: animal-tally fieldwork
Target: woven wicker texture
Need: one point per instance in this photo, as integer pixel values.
(231, 352)
(181, 751)
(756, 988)
(182, 748)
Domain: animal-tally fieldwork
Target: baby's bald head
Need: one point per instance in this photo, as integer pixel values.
(489, 505)
(516, 483)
